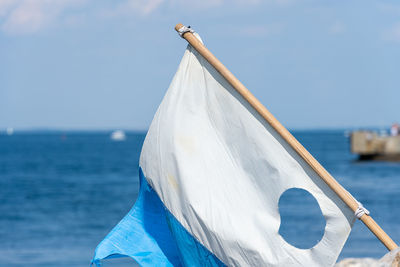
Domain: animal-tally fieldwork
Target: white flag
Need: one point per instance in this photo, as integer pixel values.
(219, 170)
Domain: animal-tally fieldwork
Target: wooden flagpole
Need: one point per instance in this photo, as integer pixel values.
(288, 137)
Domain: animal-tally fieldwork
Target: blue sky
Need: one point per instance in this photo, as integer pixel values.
(86, 64)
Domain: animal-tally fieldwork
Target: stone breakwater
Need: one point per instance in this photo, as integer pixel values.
(391, 259)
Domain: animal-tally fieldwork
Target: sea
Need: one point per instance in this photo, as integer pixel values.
(61, 192)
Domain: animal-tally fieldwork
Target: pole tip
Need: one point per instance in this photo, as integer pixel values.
(178, 26)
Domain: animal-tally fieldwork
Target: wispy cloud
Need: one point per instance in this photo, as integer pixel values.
(147, 7)
(337, 27)
(393, 33)
(129, 7)
(389, 8)
(238, 3)
(28, 16)
(261, 30)
(5, 6)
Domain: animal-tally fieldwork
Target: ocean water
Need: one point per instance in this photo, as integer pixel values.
(62, 192)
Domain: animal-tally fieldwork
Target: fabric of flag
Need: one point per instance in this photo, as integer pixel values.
(212, 171)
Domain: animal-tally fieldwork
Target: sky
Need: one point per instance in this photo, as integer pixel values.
(95, 64)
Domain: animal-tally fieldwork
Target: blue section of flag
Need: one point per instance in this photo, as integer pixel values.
(143, 234)
(152, 236)
(191, 251)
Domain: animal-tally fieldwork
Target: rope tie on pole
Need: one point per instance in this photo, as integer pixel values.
(360, 211)
(182, 30)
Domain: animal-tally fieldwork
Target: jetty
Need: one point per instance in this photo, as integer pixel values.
(370, 145)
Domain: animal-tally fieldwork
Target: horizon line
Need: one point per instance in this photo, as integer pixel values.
(109, 129)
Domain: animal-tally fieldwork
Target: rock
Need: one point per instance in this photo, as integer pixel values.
(361, 262)
(391, 259)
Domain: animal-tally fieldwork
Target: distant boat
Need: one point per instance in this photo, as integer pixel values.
(118, 135)
(10, 131)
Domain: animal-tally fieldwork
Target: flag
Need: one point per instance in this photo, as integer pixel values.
(212, 171)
